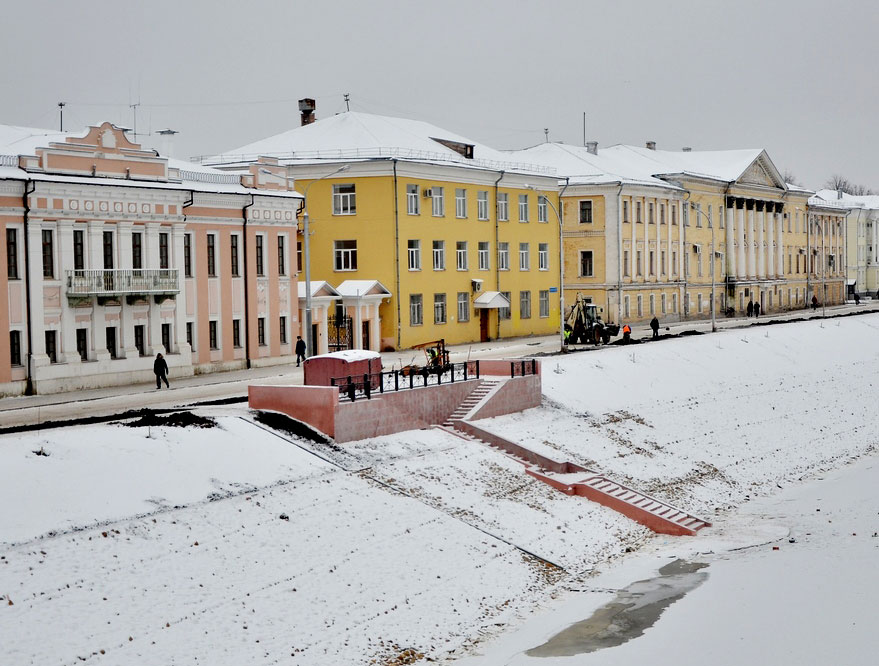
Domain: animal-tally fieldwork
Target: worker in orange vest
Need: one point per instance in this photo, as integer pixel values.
(627, 333)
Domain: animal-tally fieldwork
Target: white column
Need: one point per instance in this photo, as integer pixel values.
(67, 343)
(770, 240)
(729, 223)
(177, 258)
(752, 249)
(151, 262)
(323, 345)
(681, 233)
(35, 250)
(358, 324)
(375, 328)
(634, 251)
(125, 254)
(742, 265)
(668, 236)
(779, 241)
(95, 242)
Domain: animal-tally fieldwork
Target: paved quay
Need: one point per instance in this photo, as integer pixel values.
(38, 409)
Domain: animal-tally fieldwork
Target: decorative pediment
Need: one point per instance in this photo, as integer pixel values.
(762, 172)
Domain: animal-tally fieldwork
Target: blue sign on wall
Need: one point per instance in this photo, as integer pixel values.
(553, 290)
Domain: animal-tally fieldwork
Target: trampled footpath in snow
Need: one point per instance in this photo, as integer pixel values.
(233, 545)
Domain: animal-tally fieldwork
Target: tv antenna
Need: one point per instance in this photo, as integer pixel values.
(61, 106)
(347, 101)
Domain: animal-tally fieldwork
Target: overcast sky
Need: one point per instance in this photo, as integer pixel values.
(797, 78)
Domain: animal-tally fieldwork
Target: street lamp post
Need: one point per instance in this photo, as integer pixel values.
(306, 251)
(710, 226)
(561, 266)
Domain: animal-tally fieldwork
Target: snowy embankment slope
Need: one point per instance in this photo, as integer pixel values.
(172, 548)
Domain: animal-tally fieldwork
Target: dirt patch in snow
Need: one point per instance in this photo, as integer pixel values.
(175, 420)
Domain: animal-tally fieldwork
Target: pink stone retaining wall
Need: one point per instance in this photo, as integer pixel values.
(501, 368)
(514, 395)
(314, 405)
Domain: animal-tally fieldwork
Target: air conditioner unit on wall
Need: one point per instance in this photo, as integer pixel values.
(427, 193)
(476, 284)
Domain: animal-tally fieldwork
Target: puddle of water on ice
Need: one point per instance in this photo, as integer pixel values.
(635, 609)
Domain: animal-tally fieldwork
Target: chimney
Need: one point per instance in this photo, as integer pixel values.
(592, 147)
(306, 108)
(839, 193)
(687, 149)
(651, 145)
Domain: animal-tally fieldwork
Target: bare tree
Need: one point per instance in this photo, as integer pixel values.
(840, 182)
(790, 178)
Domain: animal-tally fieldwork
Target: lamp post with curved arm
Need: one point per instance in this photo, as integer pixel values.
(561, 266)
(306, 251)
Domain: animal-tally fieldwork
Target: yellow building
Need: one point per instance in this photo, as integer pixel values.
(422, 234)
(666, 233)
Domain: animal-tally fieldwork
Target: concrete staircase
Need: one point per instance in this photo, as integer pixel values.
(572, 479)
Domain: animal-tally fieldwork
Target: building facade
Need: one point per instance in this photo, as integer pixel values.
(862, 239)
(114, 253)
(425, 234)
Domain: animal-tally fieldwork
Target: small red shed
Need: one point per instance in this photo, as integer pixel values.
(349, 362)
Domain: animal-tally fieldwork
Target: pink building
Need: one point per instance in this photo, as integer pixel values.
(113, 253)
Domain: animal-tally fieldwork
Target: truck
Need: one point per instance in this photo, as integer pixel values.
(583, 324)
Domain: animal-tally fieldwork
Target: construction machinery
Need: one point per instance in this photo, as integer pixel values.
(583, 324)
(436, 358)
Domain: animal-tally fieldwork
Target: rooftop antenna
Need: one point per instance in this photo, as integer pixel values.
(546, 134)
(584, 128)
(134, 108)
(61, 106)
(347, 101)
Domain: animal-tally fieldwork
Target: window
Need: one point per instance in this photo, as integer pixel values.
(439, 308)
(503, 207)
(674, 303)
(299, 256)
(699, 303)
(416, 310)
(166, 337)
(51, 349)
(233, 254)
(212, 333)
(662, 304)
(626, 306)
(484, 260)
(638, 212)
(261, 331)
(542, 209)
(662, 262)
(640, 305)
(586, 266)
(282, 335)
(662, 213)
(523, 208)
(461, 255)
(81, 343)
(674, 214)
(626, 263)
(652, 304)
(212, 254)
(543, 302)
(78, 250)
(164, 259)
(190, 334)
(524, 305)
(699, 260)
(674, 262)
(463, 306)
(650, 213)
(460, 202)
(139, 340)
(543, 256)
(699, 215)
(503, 256)
(48, 255)
(108, 250)
(504, 313)
(345, 255)
(111, 340)
(524, 257)
(344, 199)
(414, 255)
(586, 212)
(413, 203)
(12, 253)
(187, 255)
(437, 201)
(651, 256)
(482, 205)
(136, 250)
(638, 268)
(439, 255)
(236, 333)
(282, 256)
(625, 211)
(260, 254)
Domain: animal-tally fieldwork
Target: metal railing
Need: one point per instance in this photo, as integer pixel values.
(114, 282)
(9, 160)
(523, 368)
(353, 387)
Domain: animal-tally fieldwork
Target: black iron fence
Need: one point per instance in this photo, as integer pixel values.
(523, 368)
(354, 387)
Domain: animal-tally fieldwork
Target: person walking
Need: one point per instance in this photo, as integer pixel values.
(160, 368)
(300, 350)
(757, 309)
(750, 309)
(654, 325)
(857, 299)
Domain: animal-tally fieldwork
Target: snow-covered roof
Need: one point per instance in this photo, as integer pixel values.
(491, 299)
(360, 288)
(319, 288)
(831, 197)
(355, 136)
(645, 166)
(350, 355)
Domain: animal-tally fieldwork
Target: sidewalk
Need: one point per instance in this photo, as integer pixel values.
(30, 410)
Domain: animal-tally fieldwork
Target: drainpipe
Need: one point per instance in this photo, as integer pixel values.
(497, 270)
(620, 254)
(29, 384)
(246, 285)
(396, 254)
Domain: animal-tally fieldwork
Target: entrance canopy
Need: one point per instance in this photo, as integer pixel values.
(491, 299)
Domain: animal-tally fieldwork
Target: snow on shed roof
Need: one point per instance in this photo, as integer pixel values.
(362, 136)
(355, 288)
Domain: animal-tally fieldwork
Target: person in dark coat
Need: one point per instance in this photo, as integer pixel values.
(757, 309)
(160, 367)
(750, 309)
(300, 350)
(654, 325)
(857, 299)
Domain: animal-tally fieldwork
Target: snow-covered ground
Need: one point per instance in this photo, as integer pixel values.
(235, 545)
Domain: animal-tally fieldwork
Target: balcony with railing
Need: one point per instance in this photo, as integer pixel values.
(114, 283)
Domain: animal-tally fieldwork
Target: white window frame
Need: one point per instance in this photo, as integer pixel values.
(525, 304)
(463, 306)
(524, 256)
(346, 257)
(505, 314)
(440, 312)
(416, 309)
(414, 251)
(542, 209)
(437, 201)
(482, 205)
(543, 303)
(484, 255)
(543, 256)
(523, 208)
(503, 207)
(460, 202)
(503, 256)
(591, 255)
(439, 255)
(344, 203)
(461, 255)
(413, 199)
